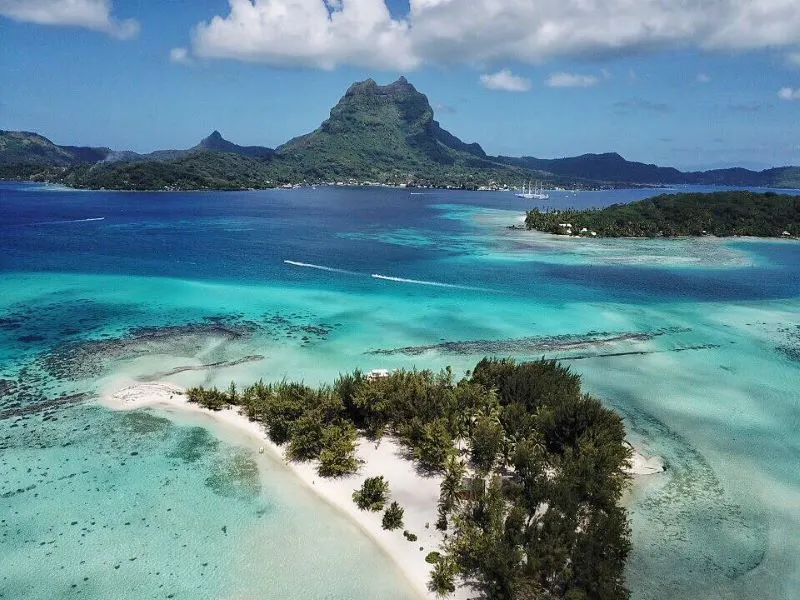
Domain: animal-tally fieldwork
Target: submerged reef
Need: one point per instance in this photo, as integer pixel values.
(534, 345)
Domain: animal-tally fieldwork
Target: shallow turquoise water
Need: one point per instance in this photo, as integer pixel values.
(696, 342)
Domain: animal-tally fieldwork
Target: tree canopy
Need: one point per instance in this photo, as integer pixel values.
(690, 214)
(533, 469)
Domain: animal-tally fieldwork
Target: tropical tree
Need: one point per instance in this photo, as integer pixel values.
(372, 495)
(393, 517)
(434, 446)
(449, 490)
(486, 443)
(338, 454)
(442, 582)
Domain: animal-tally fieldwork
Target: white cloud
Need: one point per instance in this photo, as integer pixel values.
(91, 14)
(180, 56)
(563, 80)
(788, 93)
(327, 33)
(505, 81)
(315, 33)
(703, 78)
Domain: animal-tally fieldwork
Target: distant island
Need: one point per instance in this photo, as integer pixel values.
(384, 135)
(719, 214)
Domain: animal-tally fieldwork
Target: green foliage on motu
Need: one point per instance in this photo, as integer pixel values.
(486, 443)
(393, 517)
(372, 495)
(211, 398)
(550, 527)
(538, 514)
(442, 582)
(337, 457)
(693, 214)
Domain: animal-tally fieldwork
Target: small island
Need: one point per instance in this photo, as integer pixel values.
(530, 470)
(722, 214)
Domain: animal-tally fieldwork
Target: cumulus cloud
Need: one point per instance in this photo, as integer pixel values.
(562, 80)
(326, 33)
(445, 109)
(788, 93)
(505, 81)
(180, 56)
(91, 14)
(315, 33)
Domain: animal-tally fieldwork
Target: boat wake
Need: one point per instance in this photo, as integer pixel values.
(294, 263)
(69, 221)
(430, 283)
(438, 284)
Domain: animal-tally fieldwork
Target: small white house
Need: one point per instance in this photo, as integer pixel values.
(378, 374)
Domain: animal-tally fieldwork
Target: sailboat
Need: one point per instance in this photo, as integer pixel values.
(533, 193)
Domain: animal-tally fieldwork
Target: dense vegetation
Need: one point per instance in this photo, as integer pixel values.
(24, 148)
(197, 170)
(393, 517)
(387, 133)
(372, 495)
(532, 468)
(691, 214)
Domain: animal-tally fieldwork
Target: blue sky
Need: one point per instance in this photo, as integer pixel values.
(683, 86)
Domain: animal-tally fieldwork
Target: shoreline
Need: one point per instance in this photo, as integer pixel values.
(417, 494)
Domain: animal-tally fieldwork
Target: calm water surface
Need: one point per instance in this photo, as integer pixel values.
(695, 342)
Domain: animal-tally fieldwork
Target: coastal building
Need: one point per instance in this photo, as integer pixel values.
(378, 374)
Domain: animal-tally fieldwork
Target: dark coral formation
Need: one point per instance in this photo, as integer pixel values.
(533, 345)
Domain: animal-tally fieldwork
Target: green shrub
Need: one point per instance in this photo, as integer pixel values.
(393, 517)
(433, 557)
(372, 495)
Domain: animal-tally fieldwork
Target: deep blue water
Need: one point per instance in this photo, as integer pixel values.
(245, 237)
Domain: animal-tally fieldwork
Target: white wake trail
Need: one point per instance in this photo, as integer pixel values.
(430, 283)
(320, 267)
(70, 221)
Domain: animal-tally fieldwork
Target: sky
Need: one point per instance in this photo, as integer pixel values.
(692, 84)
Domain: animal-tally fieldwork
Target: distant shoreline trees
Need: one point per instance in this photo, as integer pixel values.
(722, 214)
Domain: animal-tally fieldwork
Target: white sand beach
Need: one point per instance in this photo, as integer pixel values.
(417, 494)
(645, 465)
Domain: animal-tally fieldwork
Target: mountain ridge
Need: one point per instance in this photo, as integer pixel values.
(386, 134)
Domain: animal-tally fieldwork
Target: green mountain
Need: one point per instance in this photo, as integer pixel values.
(216, 143)
(27, 148)
(375, 132)
(193, 170)
(609, 167)
(612, 168)
(386, 134)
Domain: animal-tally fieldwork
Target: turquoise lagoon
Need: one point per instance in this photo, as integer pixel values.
(695, 342)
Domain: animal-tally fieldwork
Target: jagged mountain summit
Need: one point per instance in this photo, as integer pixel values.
(374, 129)
(216, 143)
